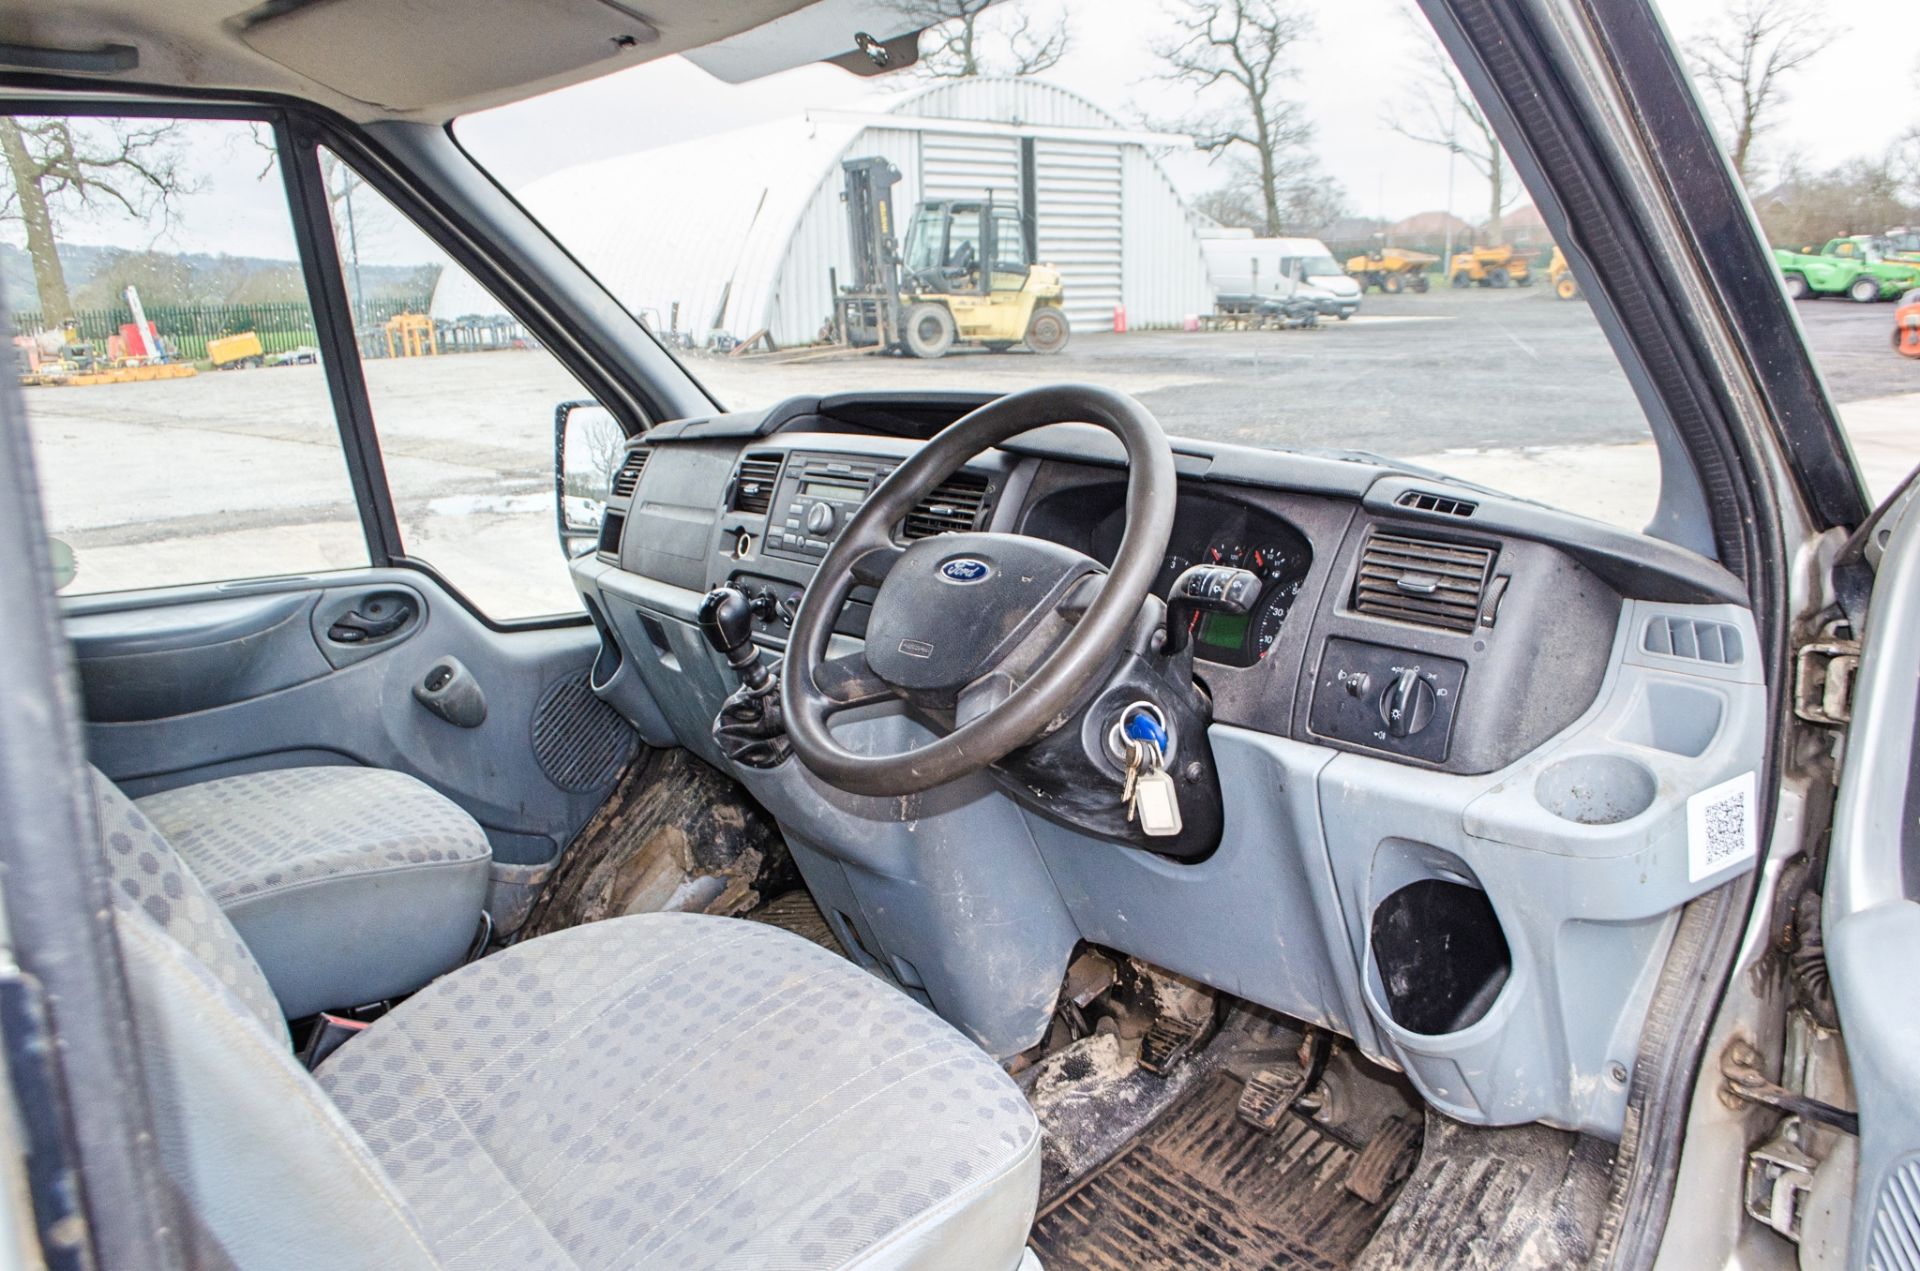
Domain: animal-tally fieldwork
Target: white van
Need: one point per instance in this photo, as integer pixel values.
(1272, 268)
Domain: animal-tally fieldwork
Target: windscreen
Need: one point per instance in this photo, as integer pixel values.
(1176, 169)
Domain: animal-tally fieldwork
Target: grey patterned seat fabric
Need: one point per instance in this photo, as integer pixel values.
(675, 1090)
(661, 1090)
(349, 885)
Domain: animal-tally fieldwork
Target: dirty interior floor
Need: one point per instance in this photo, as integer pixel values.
(1525, 1196)
(796, 912)
(1201, 1188)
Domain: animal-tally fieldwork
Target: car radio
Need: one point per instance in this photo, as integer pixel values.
(817, 495)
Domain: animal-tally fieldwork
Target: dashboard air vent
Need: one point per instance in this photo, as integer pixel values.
(1693, 639)
(1439, 504)
(1421, 580)
(753, 483)
(627, 480)
(954, 505)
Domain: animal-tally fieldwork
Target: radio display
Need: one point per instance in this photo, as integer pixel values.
(832, 490)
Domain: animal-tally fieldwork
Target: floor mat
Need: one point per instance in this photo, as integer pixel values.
(796, 912)
(1525, 1198)
(1201, 1188)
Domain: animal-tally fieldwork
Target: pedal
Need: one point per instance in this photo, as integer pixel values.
(1386, 1160)
(1268, 1094)
(1170, 1040)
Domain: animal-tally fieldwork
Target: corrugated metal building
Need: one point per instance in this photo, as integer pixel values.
(737, 232)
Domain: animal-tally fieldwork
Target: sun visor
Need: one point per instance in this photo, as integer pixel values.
(842, 31)
(413, 54)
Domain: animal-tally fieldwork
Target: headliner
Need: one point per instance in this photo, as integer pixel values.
(420, 60)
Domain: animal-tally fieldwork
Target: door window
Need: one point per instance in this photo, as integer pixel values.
(1009, 242)
(181, 422)
(463, 400)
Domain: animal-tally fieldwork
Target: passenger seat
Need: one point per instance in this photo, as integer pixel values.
(349, 885)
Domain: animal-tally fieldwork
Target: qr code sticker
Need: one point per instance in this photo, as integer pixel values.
(1720, 828)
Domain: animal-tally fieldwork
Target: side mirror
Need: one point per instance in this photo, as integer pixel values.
(65, 567)
(587, 446)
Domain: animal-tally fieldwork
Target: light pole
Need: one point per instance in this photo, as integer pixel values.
(1453, 153)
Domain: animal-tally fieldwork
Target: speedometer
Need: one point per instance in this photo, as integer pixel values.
(1273, 615)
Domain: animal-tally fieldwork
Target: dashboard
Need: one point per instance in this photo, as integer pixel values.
(1501, 611)
(1455, 741)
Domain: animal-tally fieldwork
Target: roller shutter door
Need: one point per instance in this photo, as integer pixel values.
(1077, 205)
(957, 166)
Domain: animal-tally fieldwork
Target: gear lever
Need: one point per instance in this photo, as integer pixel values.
(726, 620)
(749, 728)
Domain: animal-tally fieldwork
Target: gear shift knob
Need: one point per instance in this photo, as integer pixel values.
(726, 620)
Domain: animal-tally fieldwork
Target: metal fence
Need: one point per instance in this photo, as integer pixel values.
(282, 326)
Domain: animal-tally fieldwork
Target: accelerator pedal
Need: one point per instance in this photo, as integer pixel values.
(1385, 1161)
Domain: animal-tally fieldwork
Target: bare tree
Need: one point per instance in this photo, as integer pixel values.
(1234, 204)
(1859, 196)
(1239, 52)
(1904, 159)
(61, 168)
(1439, 111)
(1745, 63)
(1307, 200)
(962, 39)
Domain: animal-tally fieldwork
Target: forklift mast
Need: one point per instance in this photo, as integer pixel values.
(872, 298)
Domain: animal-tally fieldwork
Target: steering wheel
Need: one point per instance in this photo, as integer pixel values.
(1006, 632)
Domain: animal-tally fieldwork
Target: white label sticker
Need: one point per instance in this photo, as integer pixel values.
(1720, 828)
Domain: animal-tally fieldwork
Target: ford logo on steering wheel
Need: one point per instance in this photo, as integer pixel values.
(965, 569)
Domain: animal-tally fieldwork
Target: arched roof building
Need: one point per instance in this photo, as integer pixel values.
(742, 231)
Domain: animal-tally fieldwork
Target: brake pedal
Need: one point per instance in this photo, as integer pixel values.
(1386, 1160)
(1170, 1040)
(1268, 1094)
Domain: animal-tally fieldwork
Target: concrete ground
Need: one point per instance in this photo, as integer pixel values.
(239, 473)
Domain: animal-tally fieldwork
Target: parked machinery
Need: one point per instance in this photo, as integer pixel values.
(1490, 267)
(1392, 269)
(1844, 268)
(1560, 276)
(231, 352)
(1906, 325)
(967, 276)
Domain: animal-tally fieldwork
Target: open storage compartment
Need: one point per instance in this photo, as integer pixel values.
(522, 863)
(1441, 955)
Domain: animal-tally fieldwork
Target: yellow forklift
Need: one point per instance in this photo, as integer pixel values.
(967, 276)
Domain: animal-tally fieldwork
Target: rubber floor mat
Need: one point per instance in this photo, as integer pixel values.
(1201, 1188)
(1524, 1198)
(796, 912)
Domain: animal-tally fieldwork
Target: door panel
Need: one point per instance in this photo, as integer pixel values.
(1872, 903)
(334, 700)
(146, 664)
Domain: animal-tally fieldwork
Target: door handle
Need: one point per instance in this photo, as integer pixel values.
(377, 618)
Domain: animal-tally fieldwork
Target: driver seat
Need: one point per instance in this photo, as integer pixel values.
(656, 1090)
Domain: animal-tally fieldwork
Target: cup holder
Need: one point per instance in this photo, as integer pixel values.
(1596, 789)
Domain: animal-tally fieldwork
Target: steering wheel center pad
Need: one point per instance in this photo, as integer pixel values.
(954, 606)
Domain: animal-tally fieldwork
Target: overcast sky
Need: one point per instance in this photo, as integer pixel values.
(1348, 78)
(1852, 100)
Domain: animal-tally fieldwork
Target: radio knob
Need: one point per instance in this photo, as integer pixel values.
(819, 519)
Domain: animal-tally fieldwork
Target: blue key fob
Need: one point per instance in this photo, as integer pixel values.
(1142, 727)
